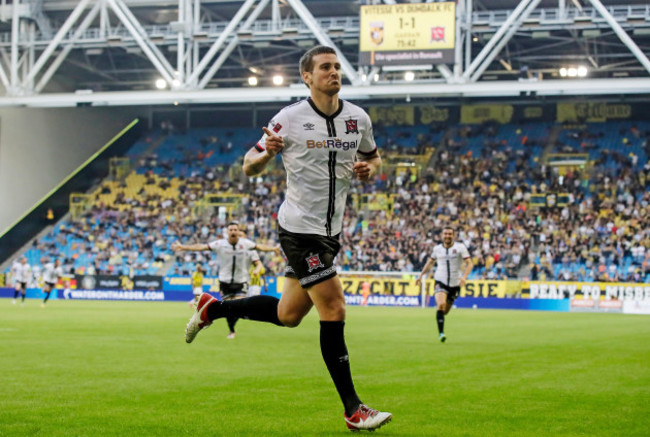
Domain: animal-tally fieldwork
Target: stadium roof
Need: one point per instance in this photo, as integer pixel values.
(67, 50)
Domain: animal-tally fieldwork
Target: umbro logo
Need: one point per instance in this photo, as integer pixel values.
(308, 126)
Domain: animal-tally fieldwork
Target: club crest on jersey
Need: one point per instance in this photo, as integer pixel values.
(276, 127)
(308, 126)
(313, 262)
(351, 127)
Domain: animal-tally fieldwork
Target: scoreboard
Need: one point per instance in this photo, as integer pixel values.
(407, 34)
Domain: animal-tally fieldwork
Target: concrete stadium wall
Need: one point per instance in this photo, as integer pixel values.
(39, 148)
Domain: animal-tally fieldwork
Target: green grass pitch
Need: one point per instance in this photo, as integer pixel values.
(123, 369)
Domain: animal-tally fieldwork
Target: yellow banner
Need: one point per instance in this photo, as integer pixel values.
(585, 290)
(477, 114)
(592, 112)
(398, 27)
(401, 115)
(430, 114)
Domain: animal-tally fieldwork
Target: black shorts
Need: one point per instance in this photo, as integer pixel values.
(232, 290)
(310, 257)
(451, 292)
(51, 285)
(22, 285)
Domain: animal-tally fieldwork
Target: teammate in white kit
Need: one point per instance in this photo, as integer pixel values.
(235, 257)
(52, 271)
(23, 275)
(449, 258)
(324, 142)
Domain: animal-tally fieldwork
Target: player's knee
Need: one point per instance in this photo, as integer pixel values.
(442, 307)
(290, 320)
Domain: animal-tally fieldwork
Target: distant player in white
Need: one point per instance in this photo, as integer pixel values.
(324, 142)
(235, 255)
(23, 277)
(52, 271)
(450, 257)
(15, 267)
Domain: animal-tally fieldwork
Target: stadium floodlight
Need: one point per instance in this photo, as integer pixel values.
(278, 80)
(563, 72)
(252, 81)
(409, 76)
(161, 84)
(582, 71)
(572, 72)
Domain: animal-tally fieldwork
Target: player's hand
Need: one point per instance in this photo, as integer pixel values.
(273, 143)
(362, 169)
(278, 251)
(463, 281)
(418, 281)
(176, 247)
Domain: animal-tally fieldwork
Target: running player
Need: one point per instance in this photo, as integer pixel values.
(325, 142)
(52, 271)
(449, 258)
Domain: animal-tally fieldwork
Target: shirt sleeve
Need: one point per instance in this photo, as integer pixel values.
(212, 245)
(279, 125)
(254, 255)
(464, 253)
(367, 146)
(248, 244)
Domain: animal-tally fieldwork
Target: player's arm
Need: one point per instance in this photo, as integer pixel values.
(367, 165)
(268, 248)
(258, 267)
(197, 247)
(425, 269)
(258, 157)
(468, 265)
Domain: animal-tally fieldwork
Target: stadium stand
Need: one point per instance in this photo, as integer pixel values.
(486, 180)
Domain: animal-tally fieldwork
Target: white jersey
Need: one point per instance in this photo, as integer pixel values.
(318, 155)
(234, 260)
(23, 273)
(52, 274)
(15, 266)
(448, 263)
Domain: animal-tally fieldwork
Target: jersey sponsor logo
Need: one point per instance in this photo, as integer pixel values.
(308, 126)
(313, 262)
(336, 143)
(351, 127)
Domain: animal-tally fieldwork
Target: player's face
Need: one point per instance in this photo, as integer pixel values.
(233, 232)
(325, 76)
(447, 237)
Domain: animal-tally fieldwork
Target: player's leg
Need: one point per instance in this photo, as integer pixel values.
(231, 319)
(329, 300)
(16, 292)
(441, 304)
(23, 292)
(294, 304)
(47, 289)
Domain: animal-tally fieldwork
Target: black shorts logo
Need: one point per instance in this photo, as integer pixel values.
(313, 262)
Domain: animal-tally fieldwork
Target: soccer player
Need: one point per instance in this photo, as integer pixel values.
(449, 258)
(23, 277)
(52, 271)
(235, 256)
(15, 267)
(324, 142)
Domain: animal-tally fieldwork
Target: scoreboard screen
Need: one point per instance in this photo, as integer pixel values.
(407, 34)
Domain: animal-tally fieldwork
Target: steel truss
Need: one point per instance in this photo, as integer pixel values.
(190, 51)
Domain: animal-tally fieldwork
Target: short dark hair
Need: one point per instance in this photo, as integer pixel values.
(450, 228)
(307, 60)
(233, 223)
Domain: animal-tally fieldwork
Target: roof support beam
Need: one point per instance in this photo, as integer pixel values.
(74, 16)
(64, 53)
(488, 50)
(324, 39)
(624, 37)
(140, 35)
(228, 31)
(231, 46)
(531, 5)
